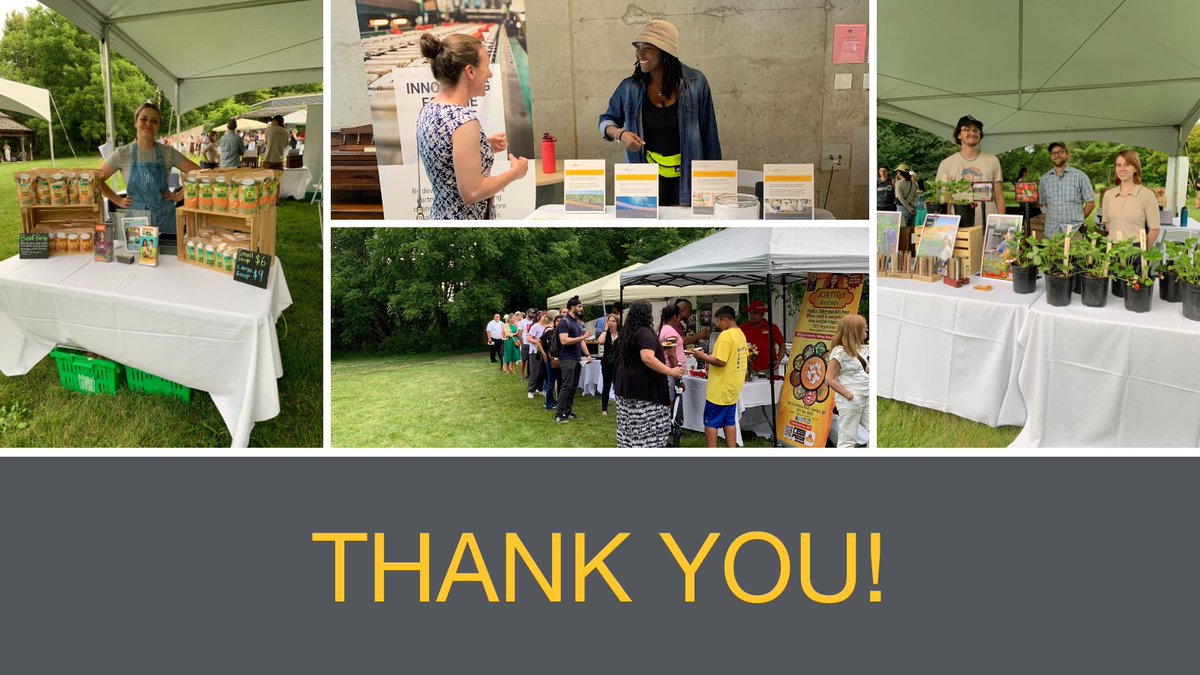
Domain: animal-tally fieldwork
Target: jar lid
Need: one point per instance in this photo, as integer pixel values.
(72, 236)
(85, 235)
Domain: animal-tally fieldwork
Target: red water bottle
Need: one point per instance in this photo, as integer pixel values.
(548, 164)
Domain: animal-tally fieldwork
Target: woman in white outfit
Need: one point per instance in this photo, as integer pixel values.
(847, 374)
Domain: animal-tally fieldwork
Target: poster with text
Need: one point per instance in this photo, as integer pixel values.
(788, 191)
(806, 409)
(711, 179)
(583, 186)
(1001, 233)
(635, 188)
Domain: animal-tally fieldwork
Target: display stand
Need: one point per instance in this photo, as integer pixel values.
(926, 269)
(968, 244)
(260, 226)
(47, 217)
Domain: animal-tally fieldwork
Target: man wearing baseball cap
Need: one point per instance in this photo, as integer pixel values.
(972, 164)
(763, 336)
(572, 339)
(663, 113)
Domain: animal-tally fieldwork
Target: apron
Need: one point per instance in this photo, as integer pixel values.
(147, 182)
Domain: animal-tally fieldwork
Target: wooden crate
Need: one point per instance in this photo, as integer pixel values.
(968, 243)
(260, 226)
(55, 216)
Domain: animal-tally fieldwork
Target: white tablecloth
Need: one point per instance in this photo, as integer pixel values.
(952, 349)
(755, 395)
(1106, 377)
(177, 321)
(295, 182)
(591, 378)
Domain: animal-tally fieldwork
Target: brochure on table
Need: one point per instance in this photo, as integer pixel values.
(888, 232)
(710, 179)
(937, 239)
(635, 188)
(788, 191)
(583, 185)
(1001, 233)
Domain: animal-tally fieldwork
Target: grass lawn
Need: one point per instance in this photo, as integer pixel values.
(902, 425)
(457, 400)
(36, 412)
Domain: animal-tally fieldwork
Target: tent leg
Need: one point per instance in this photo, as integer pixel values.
(107, 77)
(50, 131)
(771, 373)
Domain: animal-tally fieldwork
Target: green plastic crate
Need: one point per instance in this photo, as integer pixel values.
(87, 374)
(152, 384)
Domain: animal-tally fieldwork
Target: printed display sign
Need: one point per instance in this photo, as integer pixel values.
(937, 239)
(1001, 232)
(788, 191)
(635, 190)
(1027, 193)
(806, 410)
(887, 224)
(583, 186)
(711, 179)
(252, 268)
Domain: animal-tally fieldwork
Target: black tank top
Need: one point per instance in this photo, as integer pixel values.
(661, 128)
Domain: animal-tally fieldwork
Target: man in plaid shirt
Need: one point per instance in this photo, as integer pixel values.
(1065, 193)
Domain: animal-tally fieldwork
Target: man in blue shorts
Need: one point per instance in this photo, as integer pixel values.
(726, 375)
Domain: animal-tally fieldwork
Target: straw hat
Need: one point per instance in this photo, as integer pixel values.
(662, 34)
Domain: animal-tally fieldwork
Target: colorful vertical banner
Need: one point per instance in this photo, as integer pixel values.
(806, 410)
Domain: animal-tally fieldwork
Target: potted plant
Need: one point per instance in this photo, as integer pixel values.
(1019, 255)
(1138, 274)
(1053, 258)
(1120, 257)
(1187, 266)
(1170, 289)
(958, 194)
(1091, 256)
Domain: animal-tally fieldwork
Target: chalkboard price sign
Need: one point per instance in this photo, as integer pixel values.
(34, 245)
(252, 268)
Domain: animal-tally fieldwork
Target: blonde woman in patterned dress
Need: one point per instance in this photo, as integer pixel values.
(456, 153)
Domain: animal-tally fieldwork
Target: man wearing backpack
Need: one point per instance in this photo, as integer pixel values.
(572, 337)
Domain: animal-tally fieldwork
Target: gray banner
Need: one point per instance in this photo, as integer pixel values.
(985, 565)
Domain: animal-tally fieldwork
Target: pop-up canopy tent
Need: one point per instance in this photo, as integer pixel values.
(760, 255)
(607, 290)
(1034, 72)
(245, 45)
(28, 100)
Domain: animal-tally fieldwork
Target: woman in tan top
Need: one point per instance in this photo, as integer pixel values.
(1130, 206)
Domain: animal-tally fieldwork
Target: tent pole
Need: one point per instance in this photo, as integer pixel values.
(50, 131)
(107, 77)
(178, 120)
(63, 126)
(771, 372)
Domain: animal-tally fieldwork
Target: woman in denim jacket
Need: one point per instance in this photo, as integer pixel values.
(664, 114)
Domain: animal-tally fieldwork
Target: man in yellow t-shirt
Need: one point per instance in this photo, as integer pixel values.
(726, 375)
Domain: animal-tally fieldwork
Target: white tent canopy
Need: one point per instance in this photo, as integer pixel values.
(300, 117)
(245, 45)
(746, 255)
(28, 100)
(607, 290)
(1033, 72)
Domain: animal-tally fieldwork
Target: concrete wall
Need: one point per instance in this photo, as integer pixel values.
(768, 62)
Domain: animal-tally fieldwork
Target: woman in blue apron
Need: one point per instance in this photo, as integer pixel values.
(146, 166)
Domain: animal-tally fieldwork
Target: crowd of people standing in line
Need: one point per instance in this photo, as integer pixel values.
(643, 365)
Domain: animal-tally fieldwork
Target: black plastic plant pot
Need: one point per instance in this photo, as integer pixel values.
(1191, 301)
(1118, 287)
(966, 214)
(1138, 299)
(1024, 279)
(1058, 290)
(1095, 291)
(1170, 289)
